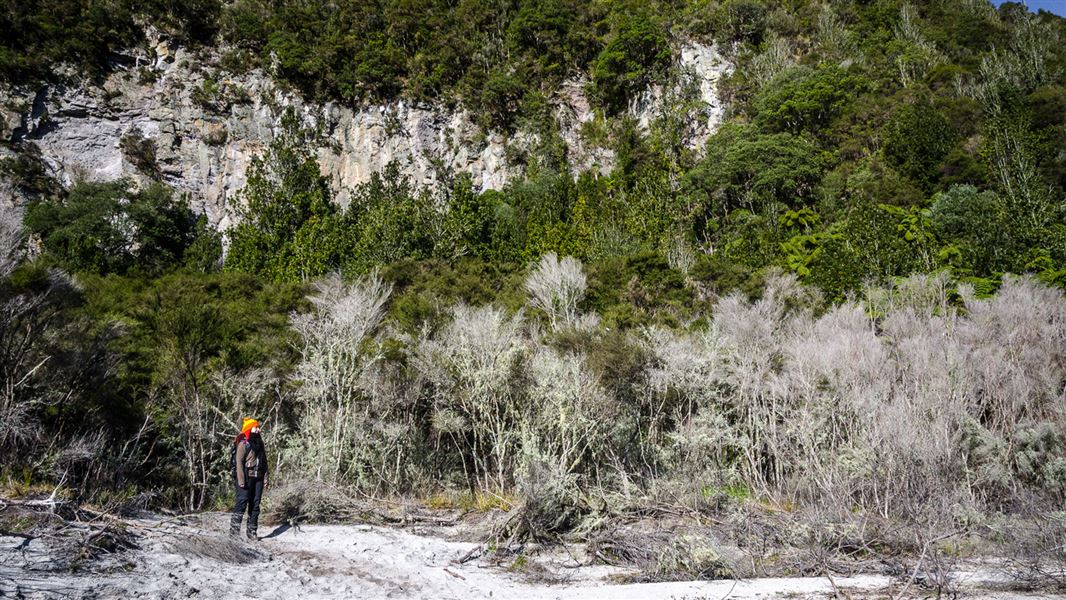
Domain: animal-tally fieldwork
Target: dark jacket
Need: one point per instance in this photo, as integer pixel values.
(251, 455)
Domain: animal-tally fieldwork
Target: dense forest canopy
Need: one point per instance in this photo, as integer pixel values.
(885, 170)
(865, 139)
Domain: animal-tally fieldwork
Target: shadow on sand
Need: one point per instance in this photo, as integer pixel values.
(280, 529)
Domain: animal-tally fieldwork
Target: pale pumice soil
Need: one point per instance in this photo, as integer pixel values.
(195, 559)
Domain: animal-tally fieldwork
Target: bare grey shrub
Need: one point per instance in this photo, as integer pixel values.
(946, 389)
(691, 556)
(1035, 548)
(567, 416)
(776, 58)
(920, 55)
(551, 502)
(556, 287)
(249, 392)
(753, 333)
(682, 385)
(879, 402)
(17, 425)
(1016, 353)
(298, 499)
(701, 450)
(472, 366)
(862, 391)
(29, 323)
(10, 239)
(391, 450)
(333, 358)
(234, 395)
(79, 452)
(834, 39)
(901, 403)
(680, 255)
(913, 433)
(833, 374)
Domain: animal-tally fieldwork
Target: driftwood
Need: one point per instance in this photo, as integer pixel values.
(474, 554)
(1037, 573)
(62, 535)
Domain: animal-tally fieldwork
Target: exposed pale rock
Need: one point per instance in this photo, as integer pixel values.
(206, 150)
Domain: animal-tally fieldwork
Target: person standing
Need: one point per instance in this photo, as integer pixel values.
(249, 464)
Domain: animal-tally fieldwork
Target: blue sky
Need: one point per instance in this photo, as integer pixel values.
(1056, 6)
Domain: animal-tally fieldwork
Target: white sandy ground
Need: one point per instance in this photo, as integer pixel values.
(319, 562)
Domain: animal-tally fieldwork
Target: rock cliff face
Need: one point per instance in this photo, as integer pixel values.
(206, 131)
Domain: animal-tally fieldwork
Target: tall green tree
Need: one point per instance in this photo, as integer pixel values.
(808, 100)
(917, 139)
(633, 57)
(290, 228)
(109, 228)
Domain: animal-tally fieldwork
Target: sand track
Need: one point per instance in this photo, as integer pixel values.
(194, 559)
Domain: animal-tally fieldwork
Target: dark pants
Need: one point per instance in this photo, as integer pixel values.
(248, 498)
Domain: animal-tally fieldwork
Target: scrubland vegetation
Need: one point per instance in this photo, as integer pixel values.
(842, 319)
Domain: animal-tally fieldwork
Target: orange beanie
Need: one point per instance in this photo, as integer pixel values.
(247, 426)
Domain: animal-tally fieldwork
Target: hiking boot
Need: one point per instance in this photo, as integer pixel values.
(235, 522)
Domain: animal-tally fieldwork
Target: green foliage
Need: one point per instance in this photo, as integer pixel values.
(28, 173)
(466, 227)
(747, 169)
(975, 222)
(235, 319)
(85, 34)
(917, 139)
(639, 290)
(140, 151)
(803, 250)
(914, 224)
(108, 228)
(491, 56)
(289, 228)
(422, 289)
(390, 221)
(344, 58)
(808, 100)
(1048, 106)
(187, 21)
(741, 20)
(635, 54)
(204, 254)
(552, 36)
(53, 31)
(540, 215)
(873, 243)
(754, 240)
